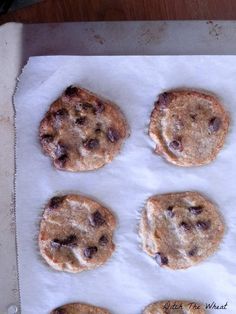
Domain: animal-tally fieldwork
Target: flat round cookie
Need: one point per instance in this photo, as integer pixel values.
(174, 307)
(76, 233)
(188, 127)
(82, 131)
(180, 229)
(79, 308)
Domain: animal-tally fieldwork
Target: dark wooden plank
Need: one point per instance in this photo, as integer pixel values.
(110, 10)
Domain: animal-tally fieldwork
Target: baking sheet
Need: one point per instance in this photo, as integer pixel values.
(131, 279)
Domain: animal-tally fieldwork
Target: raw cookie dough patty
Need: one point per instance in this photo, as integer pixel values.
(180, 229)
(81, 131)
(174, 307)
(76, 233)
(188, 127)
(79, 308)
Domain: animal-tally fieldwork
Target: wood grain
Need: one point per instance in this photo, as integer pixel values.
(110, 10)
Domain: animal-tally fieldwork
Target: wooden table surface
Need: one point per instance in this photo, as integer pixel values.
(110, 10)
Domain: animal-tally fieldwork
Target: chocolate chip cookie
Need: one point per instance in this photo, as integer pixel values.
(180, 229)
(174, 307)
(82, 131)
(79, 308)
(76, 233)
(188, 127)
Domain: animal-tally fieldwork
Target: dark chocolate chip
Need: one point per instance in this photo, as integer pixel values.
(97, 219)
(61, 113)
(176, 145)
(56, 201)
(163, 100)
(86, 106)
(185, 226)
(195, 210)
(214, 124)
(99, 107)
(203, 224)
(61, 161)
(193, 251)
(71, 91)
(170, 211)
(161, 259)
(47, 138)
(90, 251)
(103, 240)
(61, 154)
(98, 130)
(71, 240)
(92, 143)
(193, 117)
(113, 135)
(80, 120)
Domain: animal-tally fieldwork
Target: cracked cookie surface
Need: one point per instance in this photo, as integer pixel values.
(82, 131)
(174, 307)
(79, 308)
(180, 229)
(76, 233)
(188, 127)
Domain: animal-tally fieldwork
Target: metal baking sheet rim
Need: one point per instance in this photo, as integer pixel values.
(18, 42)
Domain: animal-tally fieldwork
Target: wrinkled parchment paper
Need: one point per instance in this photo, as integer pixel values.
(130, 279)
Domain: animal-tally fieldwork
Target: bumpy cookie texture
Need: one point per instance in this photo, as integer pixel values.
(174, 307)
(79, 308)
(188, 127)
(180, 229)
(76, 233)
(82, 131)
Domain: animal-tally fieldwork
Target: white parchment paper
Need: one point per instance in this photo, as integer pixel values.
(131, 279)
